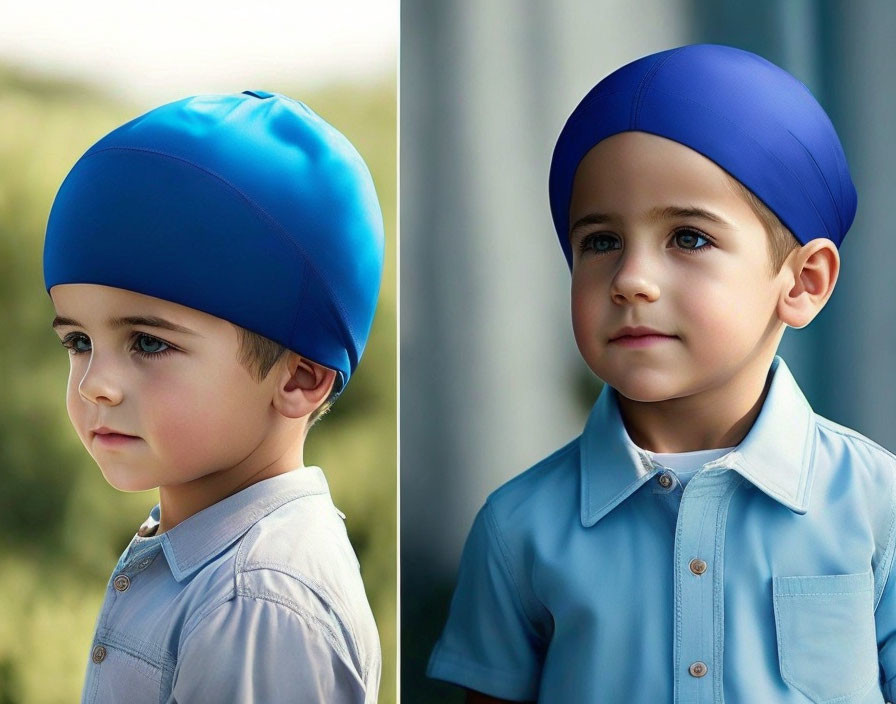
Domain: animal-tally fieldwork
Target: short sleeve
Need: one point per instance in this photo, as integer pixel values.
(885, 622)
(254, 650)
(490, 643)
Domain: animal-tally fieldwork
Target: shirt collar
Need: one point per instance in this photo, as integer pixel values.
(775, 456)
(194, 542)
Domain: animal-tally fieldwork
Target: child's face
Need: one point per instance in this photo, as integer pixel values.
(704, 285)
(185, 403)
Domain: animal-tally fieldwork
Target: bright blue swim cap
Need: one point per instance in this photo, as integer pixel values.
(753, 119)
(249, 207)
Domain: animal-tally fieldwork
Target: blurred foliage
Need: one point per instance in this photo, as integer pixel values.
(62, 527)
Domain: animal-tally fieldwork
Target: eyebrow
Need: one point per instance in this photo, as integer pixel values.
(147, 320)
(658, 213)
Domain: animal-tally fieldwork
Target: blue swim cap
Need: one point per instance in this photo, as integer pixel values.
(753, 119)
(249, 207)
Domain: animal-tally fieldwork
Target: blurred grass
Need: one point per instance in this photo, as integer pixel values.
(61, 526)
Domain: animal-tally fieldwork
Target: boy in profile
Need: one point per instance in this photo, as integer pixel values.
(707, 538)
(214, 266)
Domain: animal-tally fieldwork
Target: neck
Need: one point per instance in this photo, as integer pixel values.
(713, 418)
(178, 502)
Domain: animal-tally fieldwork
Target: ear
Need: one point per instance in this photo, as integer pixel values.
(812, 271)
(302, 386)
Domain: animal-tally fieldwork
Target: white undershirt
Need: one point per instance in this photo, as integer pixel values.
(687, 464)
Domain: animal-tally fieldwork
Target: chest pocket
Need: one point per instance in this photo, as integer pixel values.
(827, 646)
(122, 677)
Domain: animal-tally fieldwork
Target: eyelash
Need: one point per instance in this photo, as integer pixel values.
(587, 240)
(69, 342)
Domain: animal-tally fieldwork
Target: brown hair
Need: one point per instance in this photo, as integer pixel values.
(781, 241)
(259, 354)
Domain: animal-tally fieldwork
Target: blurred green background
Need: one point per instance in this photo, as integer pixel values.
(62, 527)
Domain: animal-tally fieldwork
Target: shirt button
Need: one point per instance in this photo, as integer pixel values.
(99, 654)
(665, 481)
(697, 566)
(122, 582)
(697, 669)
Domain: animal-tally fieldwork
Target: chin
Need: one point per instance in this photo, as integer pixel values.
(127, 478)
(643, 386)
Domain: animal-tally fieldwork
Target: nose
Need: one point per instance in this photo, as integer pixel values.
(99, 384)
(634, 280)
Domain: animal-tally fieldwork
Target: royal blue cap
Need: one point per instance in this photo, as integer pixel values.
(752, 118)
(249, 207)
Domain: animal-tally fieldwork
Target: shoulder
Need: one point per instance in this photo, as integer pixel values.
(305, 536)
(864, 458)
(855, 480)
(556, 472)
(549, 489)
(299, 559)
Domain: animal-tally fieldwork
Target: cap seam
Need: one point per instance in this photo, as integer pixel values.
(644, 86)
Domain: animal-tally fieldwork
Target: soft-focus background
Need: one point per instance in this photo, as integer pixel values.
(491, 380)
(70, 73)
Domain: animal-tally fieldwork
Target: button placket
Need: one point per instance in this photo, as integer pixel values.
(700, 531)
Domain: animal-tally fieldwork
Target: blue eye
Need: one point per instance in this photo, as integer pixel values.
(692, 240)
(76, 343)
(599, 243)
(149, 346)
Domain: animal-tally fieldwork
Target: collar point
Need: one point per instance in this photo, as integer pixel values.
(180, 574)
(800, 508)
(591, 517)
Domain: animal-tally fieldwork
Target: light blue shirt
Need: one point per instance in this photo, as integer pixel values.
(257, 598)
(590, 578)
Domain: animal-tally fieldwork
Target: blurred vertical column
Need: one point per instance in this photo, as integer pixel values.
(490, 377)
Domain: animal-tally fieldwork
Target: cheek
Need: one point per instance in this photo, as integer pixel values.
(588, 310)
(726, 310)
(201, 417)
(587, 306)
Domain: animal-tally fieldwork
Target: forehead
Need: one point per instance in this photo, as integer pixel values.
(632, 173)
(97, 305)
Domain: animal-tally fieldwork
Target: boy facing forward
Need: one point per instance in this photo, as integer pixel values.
(707, 538)
(214, 266)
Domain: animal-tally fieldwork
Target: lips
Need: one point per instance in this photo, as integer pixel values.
(109, 433)
(112, 440)
(636, 332)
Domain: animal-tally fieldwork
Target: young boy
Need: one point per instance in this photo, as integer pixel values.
(707, 538)
(214, 266)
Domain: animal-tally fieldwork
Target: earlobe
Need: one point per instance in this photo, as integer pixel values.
(813, 271)
(302, 387)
